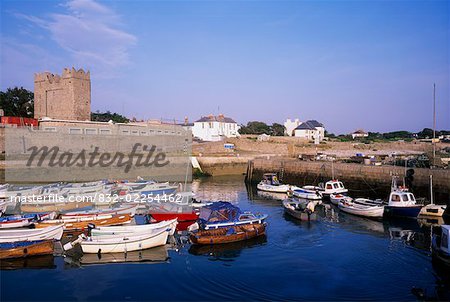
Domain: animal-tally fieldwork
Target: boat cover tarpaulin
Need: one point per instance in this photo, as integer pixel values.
(220, 211)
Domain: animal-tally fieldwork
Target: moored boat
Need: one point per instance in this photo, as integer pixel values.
(223, 214)
(330, 187)
(361, 209)
(305, 194)
(9, 222)
(336, 198)
(300, 209)
(270, 183)
(84, 223)
(126, 209)
(25, 249)
(228, 234)
(46, 233)
(130, 229)
(124, 243)
(440, 246)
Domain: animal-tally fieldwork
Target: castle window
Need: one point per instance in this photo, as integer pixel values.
(75, 131)
(90, 131)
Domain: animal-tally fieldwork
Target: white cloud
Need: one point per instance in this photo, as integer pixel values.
(91, 33)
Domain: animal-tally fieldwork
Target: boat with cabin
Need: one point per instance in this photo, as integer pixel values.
(223, 214)
(401, 203)
(330, 187)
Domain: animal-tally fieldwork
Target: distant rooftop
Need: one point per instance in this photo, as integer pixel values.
(309, 125)
(213, 118)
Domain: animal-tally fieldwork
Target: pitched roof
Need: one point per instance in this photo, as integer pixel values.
(213, 118)
(360, 131)
(309, 125)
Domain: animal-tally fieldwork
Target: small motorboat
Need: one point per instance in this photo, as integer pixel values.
(402, 203)
(360, 208)
(228, 234)
(270, 183)
(154, 255)
(300, 209)
(134, 229)
(23, 249)
(330, 187)
(46, 233)
(223, 214)
(305, 194)
(336, 198)
(440, 248)
(123, 243)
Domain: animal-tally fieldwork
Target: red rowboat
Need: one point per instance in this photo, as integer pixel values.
(184, 219)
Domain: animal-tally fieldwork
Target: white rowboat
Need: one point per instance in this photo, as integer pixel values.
(124, 243)
(48, 233)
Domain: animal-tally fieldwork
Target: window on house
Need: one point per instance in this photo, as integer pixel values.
(134, 132)
(125, 132)
(105, 131)
(50, 129)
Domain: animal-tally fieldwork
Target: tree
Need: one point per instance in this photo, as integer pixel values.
(255, 127)
(277, 129)
(108, 116)
(17, 102)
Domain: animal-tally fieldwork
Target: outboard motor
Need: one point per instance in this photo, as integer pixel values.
(90, 227)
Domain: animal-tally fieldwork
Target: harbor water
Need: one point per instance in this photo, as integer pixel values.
(338, 257)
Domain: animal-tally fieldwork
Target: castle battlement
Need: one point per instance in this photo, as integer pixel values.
(67, 73)
(66, 96)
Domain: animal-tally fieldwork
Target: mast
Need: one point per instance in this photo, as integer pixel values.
(434, 124)
(431, 189)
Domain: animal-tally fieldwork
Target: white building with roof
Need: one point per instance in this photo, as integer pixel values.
(310, 130)
(359, 133)
(289, 126)
(215, 128)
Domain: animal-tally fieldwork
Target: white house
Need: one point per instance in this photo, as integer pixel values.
(310, 130)
(215, 128)
(289, 126)
(359, 133)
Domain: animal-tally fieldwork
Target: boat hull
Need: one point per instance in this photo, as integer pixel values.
(26, 249)
(45, 233)
(274, 189)
(433, 210)
(409, 211)
(136, 229)
(123, 244)
(371, 212)
(84, 224)
(220, 236)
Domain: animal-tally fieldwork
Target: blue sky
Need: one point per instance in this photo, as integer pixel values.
(350, 65)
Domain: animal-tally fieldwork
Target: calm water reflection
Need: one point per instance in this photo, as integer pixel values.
(339, 257)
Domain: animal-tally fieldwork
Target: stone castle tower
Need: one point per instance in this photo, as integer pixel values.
(66, 97)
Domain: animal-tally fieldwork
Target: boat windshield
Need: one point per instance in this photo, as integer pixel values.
(336, 186)
(395, 197)
(329, 186)
(411, 197)
(341, 185)
(405, 197)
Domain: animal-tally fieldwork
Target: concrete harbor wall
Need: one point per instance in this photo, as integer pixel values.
(218, 166)
(304, 172)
